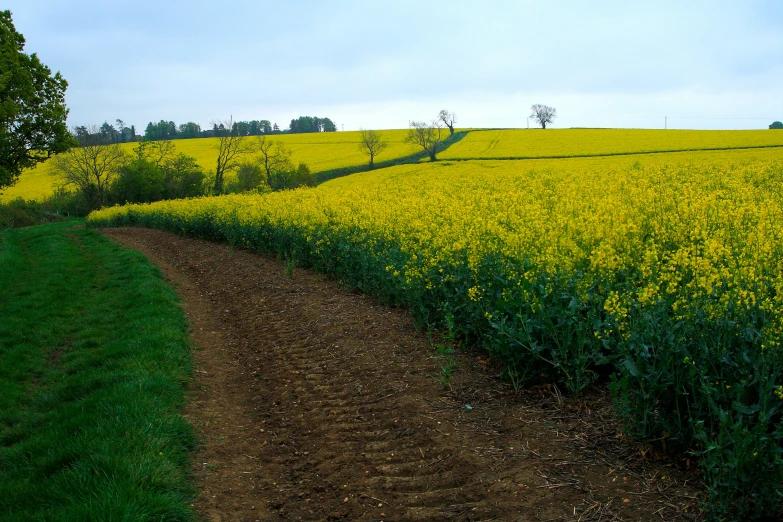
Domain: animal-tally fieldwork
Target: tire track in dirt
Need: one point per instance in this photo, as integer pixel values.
(315, 403)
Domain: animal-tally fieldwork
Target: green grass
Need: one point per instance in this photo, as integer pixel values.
(94, 360)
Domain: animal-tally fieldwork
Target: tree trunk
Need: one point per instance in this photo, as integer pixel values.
(218, 188)
(543, 125)
(451, 130)
(432, 154)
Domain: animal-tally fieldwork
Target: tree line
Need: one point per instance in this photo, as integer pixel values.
(100, 172)
(118, 132)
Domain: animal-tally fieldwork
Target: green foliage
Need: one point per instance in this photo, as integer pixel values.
(311, 124)
(776, 125)
(20, 213)
(32, 107)
(94, 362)
(291, 179)
(157, 173)
(140, 181)
(163, 130)
(446, 353)
(250, 176)
(709, 388)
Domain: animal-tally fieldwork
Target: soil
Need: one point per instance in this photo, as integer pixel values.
(313, 402)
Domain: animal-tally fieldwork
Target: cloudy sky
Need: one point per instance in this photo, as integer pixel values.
(378, 64)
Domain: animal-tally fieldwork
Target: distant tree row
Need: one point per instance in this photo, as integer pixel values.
(101, 172)
(106, 133)
(168, 130)
(311, 124)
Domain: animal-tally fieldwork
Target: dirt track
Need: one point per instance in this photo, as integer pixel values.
(315, 403)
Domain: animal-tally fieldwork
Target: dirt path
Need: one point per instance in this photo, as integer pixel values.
(315, 403)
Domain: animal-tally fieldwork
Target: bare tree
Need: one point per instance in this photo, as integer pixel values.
(426, 135)
(275, 157)
(91, 167)
(371, 144)
(158, 152)
(543, 114)
(231, 147)
(448, 119)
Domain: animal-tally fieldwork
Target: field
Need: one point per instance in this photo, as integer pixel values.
(663, 270)
(534, 143)
(93, 366)
(321, 152)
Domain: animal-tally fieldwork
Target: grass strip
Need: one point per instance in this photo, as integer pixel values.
(94, 361)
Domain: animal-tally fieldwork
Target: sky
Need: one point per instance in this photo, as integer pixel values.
(378, 64)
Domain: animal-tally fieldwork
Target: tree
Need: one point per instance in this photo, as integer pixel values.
(249, 177)
(108, 133)
(231, 147)
(448, 119)
(91, 167)
(121, 130)
(189, 130)
(158, 152)
(156, 173)
(275, 157)
(163, 130)
(776, 125)
(371, 144)
(32, 107)
(426, 135)
(292, 178)
(543, 114)
(311, 124)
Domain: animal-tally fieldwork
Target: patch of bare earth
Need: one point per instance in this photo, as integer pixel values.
(316, 403)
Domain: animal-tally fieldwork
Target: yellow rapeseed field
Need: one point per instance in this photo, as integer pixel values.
(715, 215)
(666, 268)
(321, 151)
(531, 143)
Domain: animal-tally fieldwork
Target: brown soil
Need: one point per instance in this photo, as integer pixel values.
(316, 403)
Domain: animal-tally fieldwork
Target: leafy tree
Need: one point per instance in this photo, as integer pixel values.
(109, 134)
(448, 119)
(250, 176)
(32, 107)
(776, 125)
(184, 178)
(156, 173)
(371, 144)
(292, 178)
(426, 135)
(163, 130)
(304, 124)
(189, 130)
(543, 114)
(241, 128)
(140, 181)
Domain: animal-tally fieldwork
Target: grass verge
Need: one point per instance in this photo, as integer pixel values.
(94, 361)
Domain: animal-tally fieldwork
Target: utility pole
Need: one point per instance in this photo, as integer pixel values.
(665, 122)
(528, 122)
(343, 126)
